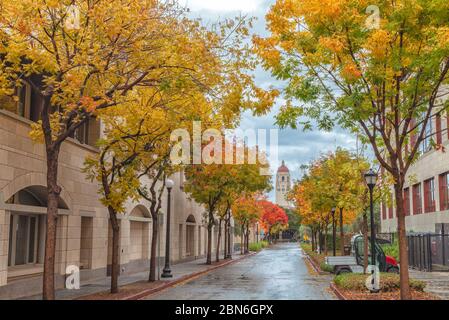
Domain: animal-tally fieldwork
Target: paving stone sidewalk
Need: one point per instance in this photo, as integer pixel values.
(97, 286)
(437, 282)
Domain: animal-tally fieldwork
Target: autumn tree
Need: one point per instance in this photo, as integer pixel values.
(78, 68)
(382, 78)
(134, 146)
(335, 180)
(246, 211)
(214, 91)
(211, 183)
(273, 218)
(84, 56)
(345, 174)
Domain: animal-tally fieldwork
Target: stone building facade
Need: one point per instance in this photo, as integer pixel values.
(426, 194)
(84, 232)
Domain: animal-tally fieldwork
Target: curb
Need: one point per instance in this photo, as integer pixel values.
(315, 267)
(185, 278)
(337, 292)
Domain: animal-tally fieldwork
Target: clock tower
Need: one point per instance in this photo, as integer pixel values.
(283, 185)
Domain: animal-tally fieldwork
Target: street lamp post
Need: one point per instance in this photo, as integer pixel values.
(371, 181)
(167, 272)
(334, 233)
(160, 223)
(229, 235)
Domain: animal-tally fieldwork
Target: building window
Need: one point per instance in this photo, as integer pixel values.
(27, 231)
(426, 144)
(24, 102)
(20, 102)
(429, 195)
(444, 191)
(384, 211)
(24, 239)
(407, 201)
(89, 132)
(417, 199)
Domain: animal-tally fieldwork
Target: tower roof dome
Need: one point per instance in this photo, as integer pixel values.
(283, 168)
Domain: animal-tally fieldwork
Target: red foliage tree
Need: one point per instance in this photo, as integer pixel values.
(273, 219)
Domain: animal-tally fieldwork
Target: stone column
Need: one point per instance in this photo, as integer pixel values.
(73, 248)
(181, 243)
(124, 241)
(61, 245)
(100, 243)
(4, 244)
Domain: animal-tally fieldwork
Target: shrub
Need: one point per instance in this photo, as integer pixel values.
(317, 258)
(258, 246)
(326, 267)
(388, 282)
(255, 246)
(392, 250)
(264, 244)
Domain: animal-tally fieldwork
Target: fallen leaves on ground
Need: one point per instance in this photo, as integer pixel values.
(132, 289)
(394, 295)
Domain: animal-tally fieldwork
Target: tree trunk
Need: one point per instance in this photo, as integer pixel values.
(325, 241)
(365, 242)
(53, 190)
(342, 234)
(242, 239)
(209, 245)
(320, 241)
(210, 224)
(229, 235)
(154, 242)
(247, 239)
(217, 254)
(225, 251)
(313, 239)
(403, 250)
(334, 235)
(115, 266)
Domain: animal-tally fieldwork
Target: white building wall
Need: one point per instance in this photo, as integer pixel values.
(430, 165)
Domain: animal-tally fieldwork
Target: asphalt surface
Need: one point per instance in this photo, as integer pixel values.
(277, 273)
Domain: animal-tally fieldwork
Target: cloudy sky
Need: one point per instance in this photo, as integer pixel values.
(295, 147)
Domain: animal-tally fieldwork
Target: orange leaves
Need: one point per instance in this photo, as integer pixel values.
(89, 104)
(273, 216)
(332, 44)
(333, 181)
(351, 72)
(266, 49)
(246, 209)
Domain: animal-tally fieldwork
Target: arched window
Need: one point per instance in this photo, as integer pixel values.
(27, 231)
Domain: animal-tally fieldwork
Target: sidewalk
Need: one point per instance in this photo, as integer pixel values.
(437, 282)
(136, 282)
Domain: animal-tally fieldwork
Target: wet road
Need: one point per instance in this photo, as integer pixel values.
(277, 273)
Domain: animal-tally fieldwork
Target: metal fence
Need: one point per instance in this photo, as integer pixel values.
(428, 252)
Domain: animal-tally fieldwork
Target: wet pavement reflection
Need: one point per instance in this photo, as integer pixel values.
(276, 273)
